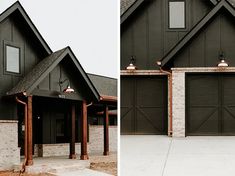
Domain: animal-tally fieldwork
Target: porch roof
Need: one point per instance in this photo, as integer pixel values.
(43, 68)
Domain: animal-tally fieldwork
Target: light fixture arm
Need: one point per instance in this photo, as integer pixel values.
(68, 89)
(62, 82)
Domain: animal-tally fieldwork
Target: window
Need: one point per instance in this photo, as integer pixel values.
(12, 59)
(176, 14)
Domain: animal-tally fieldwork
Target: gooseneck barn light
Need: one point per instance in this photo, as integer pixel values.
(68, 89)
(222, 62)
(131, 66)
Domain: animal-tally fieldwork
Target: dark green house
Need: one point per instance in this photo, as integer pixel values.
(178, 67)
(47, 94)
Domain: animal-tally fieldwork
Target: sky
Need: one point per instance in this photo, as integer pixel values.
(89, 27)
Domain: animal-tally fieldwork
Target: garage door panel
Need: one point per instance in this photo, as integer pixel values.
(228, 121)
(149, 119)
(145, 123)
(203, 90)
(127, 97)
(206, 91)
(229, 90)
(127, 120)
(203, 120)
(148, 102)
(150, 92)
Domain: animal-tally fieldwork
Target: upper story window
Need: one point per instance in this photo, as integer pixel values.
(177, 14)
(12, 59)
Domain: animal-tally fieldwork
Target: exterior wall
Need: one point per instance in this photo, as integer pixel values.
(9, 150)
(11, 30)
(178, 90)
(145, 33)
(95, 145)
(96, 134)
(217, 36)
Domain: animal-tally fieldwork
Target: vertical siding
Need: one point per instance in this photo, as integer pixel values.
(204, 48)
(11, 31)
(228, 37)
(146, 35)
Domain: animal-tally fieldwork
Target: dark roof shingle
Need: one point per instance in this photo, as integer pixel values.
(125, 4)
(104, 85)
(35, 73)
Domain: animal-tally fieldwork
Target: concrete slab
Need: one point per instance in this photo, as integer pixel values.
(143, 155)
(56, 165)
(201, 156)
(164, 156)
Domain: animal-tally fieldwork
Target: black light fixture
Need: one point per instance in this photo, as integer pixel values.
(222, 62)
(68, 89)
(131, 66)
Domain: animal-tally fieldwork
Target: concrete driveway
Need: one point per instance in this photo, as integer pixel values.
(165, 156)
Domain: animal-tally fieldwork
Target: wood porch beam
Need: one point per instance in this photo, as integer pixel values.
(72, 154)
(84, 155)
(30, 132)
(106, 130)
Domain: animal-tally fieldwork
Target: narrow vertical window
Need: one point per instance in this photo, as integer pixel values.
(12, 59)
(176, 14)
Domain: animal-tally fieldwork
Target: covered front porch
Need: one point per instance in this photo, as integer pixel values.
(52, 109)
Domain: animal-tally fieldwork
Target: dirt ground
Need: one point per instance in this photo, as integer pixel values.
(9, 173)
(107, 164)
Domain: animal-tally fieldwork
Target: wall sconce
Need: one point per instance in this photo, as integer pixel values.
(68, 89)
(159, 63)
(131, 66)
(222, 62)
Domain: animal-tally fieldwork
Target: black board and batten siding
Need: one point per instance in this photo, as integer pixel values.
(145, 33)
(218, 35)
(11, 30)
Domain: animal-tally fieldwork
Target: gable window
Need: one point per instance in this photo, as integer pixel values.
(176, 14)
(12, 59)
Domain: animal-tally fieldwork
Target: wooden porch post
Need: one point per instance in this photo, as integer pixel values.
(106, 130)
(72, 154)
(84, 155)
(30, 132)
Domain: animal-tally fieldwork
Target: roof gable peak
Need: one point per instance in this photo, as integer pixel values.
(222, 4)
(18, 7)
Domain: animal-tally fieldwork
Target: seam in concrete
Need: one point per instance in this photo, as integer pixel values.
(167, 156)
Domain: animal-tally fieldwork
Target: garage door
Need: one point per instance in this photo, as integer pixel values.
(144, 105)
(210, 105)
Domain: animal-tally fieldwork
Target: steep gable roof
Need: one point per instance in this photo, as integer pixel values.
(222, 4)
(131, 8)
(43, 68)
(18, 7)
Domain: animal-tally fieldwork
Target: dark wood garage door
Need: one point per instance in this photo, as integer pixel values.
(210, 105)
(144, 105)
